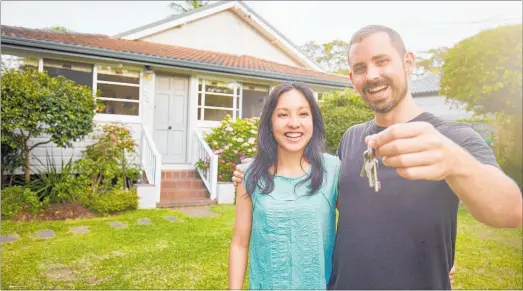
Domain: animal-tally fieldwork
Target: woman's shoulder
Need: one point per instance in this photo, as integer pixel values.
(331, 160)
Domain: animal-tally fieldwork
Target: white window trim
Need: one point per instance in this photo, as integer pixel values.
(236, 112)
(104, 117)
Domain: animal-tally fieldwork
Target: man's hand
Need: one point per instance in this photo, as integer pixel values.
(451, 276)
(417, 150)
(237, 176)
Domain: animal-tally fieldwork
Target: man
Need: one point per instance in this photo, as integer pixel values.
(403, 237)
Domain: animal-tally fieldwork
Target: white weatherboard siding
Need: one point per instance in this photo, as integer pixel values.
(223, 32)
(441, 108)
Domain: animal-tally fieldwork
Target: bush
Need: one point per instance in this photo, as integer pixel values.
(232, 141)
(112, 201)
(508, 145)
(58, 184)
(18, 199)
(341, 110)
(105, 162)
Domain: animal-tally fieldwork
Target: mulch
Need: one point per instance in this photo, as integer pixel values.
(62, 211)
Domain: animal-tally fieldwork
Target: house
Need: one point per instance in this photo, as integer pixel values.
(425, 91)
(171, 80)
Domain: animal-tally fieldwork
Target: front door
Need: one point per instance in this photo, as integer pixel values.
(170, 118)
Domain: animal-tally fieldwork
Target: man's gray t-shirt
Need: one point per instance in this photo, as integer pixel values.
(402, 237)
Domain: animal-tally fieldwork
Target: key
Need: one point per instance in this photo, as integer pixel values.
(370, 169)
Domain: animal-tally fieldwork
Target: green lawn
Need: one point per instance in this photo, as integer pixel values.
(193, 254)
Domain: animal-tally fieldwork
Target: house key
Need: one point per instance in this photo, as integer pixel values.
(370, 169)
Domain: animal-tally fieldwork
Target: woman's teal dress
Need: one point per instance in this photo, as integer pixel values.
(293, 233)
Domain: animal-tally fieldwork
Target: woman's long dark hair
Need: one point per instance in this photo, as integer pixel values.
(267, 154)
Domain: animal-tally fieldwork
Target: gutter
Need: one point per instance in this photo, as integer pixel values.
(20, 42)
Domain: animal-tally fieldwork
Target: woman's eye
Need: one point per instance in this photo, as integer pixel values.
(282, 115)
(304, 114)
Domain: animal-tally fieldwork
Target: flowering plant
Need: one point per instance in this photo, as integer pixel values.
(232, 141)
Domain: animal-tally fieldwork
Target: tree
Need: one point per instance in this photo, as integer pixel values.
(184, 6)
(57, 28)
(430, 61)
(332, 56)
(54, 109)
(341, 110)
(485, 72)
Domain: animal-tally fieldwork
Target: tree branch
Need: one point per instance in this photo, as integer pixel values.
(38, 144)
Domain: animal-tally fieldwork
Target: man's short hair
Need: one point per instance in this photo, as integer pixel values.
(369, 30)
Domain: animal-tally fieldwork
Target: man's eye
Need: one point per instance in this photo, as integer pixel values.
(359, 70)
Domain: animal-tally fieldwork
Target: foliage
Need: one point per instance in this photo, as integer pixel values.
(485, 71)
(341, 110)
(36, 105)
(111, 201)
(57, 28)
(508, 145)
(58, 184)
(332, 56)
(187, 5)
(12, 159)
(430, 61)
(17, 199)
(232, 141)
(107, 160)
(109, 259)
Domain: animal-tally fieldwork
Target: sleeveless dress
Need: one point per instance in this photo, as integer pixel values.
(292, 235)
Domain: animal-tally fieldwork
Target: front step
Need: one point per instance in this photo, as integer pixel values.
(182, 188)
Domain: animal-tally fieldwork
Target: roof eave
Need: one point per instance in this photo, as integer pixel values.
(20, 42)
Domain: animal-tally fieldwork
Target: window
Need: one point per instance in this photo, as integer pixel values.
(120, 90)
(216, 99)
(19, 63)
(81, 74)
(253, 99)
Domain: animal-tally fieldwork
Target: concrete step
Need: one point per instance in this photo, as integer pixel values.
(183, 184)
(173, 175)
(181, 194)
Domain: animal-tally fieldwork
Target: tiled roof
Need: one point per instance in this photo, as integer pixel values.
(145, 48)
(428, 84)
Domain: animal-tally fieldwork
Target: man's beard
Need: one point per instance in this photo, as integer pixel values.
(386, 105)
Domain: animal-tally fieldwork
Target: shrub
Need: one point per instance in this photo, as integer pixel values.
(232, 141)
(341, 110)
(112, 201)
(18, 199)
(58, 184)
(105, 163)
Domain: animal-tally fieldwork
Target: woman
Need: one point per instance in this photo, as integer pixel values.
(286, 206)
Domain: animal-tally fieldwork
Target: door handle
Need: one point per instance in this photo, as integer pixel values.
(169, 127)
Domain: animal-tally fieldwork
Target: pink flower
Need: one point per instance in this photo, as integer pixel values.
(220, 176)
(233, 164)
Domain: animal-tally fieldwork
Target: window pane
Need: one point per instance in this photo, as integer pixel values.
(120, 79)
(254, 97)
(218, 101)
(219, 87)
(119, 91)
(18, 63)
(114, 74)
(81, 74)
(118, 107)
(216, 114)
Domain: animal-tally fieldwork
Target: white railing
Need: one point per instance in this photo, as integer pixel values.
(209, 173)
(151, 161)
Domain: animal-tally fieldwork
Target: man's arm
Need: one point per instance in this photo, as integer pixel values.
(419, 152)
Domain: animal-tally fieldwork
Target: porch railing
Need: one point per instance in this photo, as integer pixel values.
(151, 161)
(206, 165)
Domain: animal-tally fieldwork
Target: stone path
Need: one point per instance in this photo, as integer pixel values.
(117, 224)
(79, 229)
(9, 238)
(46, 233)
(197, 211)
(144, 221)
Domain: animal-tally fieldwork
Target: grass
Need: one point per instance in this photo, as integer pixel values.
(193, 254)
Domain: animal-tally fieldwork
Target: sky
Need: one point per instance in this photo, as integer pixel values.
(423, 25)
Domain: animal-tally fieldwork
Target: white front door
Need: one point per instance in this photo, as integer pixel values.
(170, 118)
